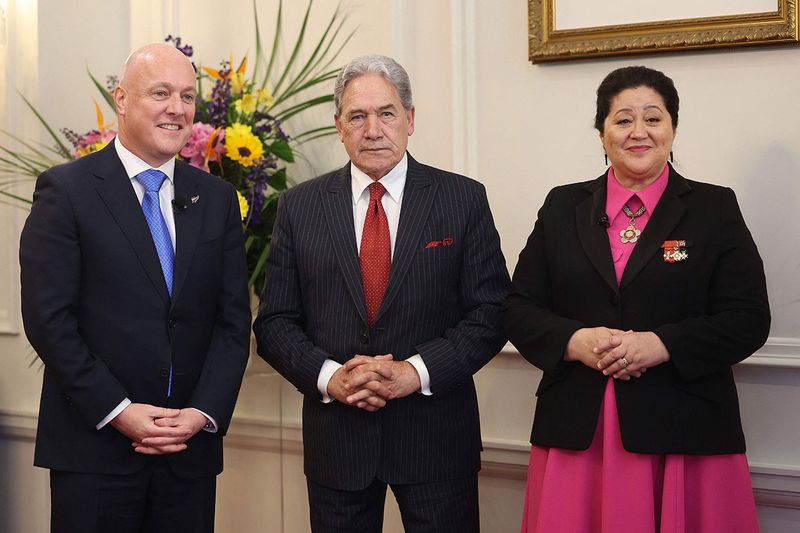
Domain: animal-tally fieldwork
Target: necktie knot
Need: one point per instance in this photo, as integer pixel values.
(151, 179)
(376, 191)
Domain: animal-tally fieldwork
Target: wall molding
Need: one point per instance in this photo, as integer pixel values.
(778, 352)
(774, 485)
(463, 63)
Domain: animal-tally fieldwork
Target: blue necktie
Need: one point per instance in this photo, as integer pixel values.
(152, 180)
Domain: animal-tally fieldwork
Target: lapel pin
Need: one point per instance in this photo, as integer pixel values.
(195, 198)
(675, 251)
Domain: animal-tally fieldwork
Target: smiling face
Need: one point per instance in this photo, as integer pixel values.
(373, 125)
(637, 136)
(155, 103)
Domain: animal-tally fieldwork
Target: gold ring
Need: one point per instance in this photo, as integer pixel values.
(623, 362)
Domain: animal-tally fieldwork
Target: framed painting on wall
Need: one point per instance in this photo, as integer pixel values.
(578, 29)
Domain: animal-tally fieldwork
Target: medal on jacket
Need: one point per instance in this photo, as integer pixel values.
(631, 234)
(675, 251)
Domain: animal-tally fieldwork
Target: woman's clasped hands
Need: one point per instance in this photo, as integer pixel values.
(616, 353)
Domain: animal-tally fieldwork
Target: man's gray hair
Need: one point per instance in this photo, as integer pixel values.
(374, 64)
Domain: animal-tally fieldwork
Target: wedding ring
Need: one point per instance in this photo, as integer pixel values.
(623, 362)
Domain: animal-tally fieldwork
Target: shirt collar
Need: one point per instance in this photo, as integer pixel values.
(394, 181)
(134, 164)
(617, 195)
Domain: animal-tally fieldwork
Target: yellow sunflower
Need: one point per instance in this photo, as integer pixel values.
(241, 145)
(244, 207)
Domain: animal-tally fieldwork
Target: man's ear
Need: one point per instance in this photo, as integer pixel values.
(338, 121)
(120, 100)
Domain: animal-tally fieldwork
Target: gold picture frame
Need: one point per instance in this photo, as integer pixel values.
(547, 43)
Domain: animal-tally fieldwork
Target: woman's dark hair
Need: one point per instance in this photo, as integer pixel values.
(631, 78)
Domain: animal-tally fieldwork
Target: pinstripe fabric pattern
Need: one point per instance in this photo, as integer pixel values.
(443, 302)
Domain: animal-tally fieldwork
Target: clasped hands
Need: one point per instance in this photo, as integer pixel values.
(157, 430)
(616, 353)
(368, 382)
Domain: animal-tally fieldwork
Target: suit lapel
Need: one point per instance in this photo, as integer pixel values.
(187, 225)
(668, 212)
(337, 204)
(593, 236)
(418, 196)
(116, 192)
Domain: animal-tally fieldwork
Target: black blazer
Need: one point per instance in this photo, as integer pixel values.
(443, 302)
(710, 311)
(97, 311)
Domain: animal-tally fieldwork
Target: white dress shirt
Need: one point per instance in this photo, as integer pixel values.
(134, 166)
(394, 182)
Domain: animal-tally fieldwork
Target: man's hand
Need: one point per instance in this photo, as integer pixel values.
(360, 382)
(138, 422)
(404, 380)
(189, 422)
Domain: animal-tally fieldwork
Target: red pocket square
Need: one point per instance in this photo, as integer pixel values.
(447, 241)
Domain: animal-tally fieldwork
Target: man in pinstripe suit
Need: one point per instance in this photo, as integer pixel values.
(386, 372)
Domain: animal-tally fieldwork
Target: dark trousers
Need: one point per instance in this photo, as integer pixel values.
(152, 500)
(441, 507)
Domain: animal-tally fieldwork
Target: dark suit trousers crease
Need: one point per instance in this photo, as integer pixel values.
(152, 500)
(440, 507)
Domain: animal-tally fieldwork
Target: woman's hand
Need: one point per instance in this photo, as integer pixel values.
(583, 344)
(630, 353)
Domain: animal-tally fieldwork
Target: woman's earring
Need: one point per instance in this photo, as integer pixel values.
(671, 160)
(605, 156)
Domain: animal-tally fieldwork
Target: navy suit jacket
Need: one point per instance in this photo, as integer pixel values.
(442, 302)
(710, 311)
(96, 309)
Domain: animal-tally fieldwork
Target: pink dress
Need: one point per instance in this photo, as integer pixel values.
(606, 489)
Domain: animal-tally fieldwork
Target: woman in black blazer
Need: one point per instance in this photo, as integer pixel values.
(635, 294)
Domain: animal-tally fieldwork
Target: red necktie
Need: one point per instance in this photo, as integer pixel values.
(376, 252)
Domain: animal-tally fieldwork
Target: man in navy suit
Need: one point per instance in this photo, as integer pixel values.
(383, 297)
(134, 294)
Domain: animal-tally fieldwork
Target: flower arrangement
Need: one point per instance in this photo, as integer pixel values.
(242, 130)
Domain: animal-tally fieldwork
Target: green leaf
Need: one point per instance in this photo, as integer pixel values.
(259, 267)
(60, 145)
(278, 182)
(315, 133)
(282, 150)
(103, 91)
(16, 197)
(284, 115)
(295, 50)
(275, 41)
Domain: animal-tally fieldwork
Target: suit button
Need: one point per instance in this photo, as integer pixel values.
(613, 299)
(165, 372)
(172, 323)
(364, 338)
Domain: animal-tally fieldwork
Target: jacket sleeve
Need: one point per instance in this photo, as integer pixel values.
(218, 386)
(483, 285)
(50, 268)
(737, 320)
(282, 341)
(540, 335)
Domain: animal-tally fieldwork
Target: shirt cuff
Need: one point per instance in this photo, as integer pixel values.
(211, 426)
(424, 377)
(329, 367)
(113, 414)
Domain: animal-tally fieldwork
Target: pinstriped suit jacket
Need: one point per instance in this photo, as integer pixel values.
(442, 302)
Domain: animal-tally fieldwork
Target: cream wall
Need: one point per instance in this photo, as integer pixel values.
(484, 110)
